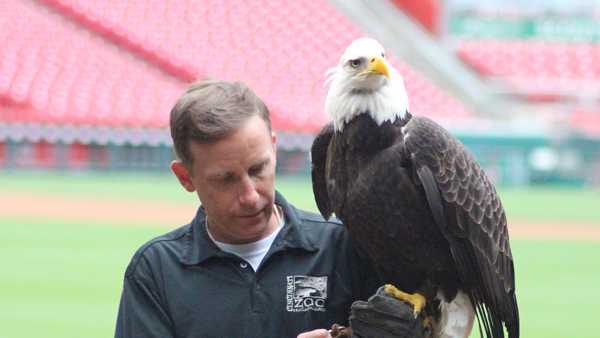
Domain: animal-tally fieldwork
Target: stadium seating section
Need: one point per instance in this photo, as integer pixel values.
(536, 67)
(544, 58)
(122, 64)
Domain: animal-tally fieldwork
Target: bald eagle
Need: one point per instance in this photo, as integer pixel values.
(414, 199)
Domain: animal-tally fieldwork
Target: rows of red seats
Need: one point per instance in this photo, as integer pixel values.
(533, 59)
(541, 70)
(123, 63)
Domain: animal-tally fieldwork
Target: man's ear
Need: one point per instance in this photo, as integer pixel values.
(183, 175)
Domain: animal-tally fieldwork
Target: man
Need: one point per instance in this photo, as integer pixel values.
(249, 264)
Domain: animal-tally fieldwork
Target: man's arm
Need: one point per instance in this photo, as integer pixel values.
(141, 313)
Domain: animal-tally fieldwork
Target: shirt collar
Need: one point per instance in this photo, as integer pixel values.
(199, 247)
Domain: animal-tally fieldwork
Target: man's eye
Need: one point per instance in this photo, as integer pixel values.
(354, 63)
(227, 179)
(256, 170)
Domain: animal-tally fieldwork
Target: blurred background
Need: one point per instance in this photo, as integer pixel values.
(85, 93)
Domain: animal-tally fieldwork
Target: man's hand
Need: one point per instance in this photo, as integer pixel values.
(384, 316)
(319, 333)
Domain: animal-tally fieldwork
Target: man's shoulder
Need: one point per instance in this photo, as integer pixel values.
(319, 230)
(304, 216)
(166, 247)
(311, 217)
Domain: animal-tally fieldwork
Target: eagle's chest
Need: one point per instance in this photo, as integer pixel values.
(362, 142)
(386, 211)
(375, 187)
(385, 196)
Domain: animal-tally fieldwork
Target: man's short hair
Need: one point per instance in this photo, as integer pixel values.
(210, 110)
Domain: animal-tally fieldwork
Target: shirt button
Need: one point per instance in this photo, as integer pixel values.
(243, 265)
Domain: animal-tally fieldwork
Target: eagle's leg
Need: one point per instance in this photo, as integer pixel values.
(418, 301)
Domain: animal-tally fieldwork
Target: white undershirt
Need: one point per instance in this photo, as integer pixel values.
(254, 252)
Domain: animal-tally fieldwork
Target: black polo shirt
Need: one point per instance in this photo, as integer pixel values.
(182, 285)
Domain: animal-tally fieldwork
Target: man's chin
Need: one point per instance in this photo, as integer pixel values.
(261, 214)
(253, 232)
(255, 219)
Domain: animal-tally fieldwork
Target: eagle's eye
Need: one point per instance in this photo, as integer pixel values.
(382, 54)
(355, 63)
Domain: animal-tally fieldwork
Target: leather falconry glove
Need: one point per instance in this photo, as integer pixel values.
(382, 316)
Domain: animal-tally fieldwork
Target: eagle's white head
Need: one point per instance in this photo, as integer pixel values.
(364, 81)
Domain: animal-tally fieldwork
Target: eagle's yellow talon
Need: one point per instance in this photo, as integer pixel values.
(416, 300)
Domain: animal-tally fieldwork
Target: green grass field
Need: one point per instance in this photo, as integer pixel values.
(61, 279)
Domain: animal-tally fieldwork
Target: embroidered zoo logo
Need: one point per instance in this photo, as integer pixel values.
(306, 293)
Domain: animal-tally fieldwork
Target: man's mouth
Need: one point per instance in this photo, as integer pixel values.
(252, 215)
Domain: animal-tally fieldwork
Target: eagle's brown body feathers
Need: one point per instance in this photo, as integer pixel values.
(422, 209)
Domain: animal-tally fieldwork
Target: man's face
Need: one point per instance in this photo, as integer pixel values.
(235, 181)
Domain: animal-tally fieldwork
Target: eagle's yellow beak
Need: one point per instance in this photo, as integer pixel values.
(377, 66)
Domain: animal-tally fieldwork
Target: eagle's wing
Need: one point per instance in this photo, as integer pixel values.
(465, 205)
(319, 170)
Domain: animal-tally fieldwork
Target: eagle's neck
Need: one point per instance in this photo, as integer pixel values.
(387, 103)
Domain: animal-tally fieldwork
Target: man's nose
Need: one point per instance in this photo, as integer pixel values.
(248, 194)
